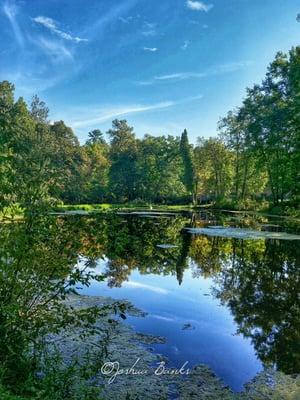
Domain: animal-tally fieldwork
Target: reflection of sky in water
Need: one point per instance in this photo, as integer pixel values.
(170, 306)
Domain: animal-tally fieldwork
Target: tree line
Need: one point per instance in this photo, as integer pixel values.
(255, 155)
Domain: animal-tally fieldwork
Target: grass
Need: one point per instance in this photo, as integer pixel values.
(118, 206)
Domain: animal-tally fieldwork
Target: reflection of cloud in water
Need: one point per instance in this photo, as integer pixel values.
(138, 285)
(161, 317)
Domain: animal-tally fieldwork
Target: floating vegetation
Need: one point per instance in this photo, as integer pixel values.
(240, 233)
(188, 327)
(149, 339)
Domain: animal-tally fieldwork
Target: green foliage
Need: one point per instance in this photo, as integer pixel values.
(255, 158)
(159, 169)
(66, 380)
(187, 159)
(123, 155)
(264, 133)
(6, 395)
(213, 164)
(38, 271)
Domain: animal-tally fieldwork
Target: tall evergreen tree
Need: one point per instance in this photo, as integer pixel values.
(187, 159)
(95, 137)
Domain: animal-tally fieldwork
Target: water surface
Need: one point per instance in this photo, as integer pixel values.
(227, 302)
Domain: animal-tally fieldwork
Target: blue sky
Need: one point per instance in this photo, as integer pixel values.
(164, 65)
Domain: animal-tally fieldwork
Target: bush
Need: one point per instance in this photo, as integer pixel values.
(5, 395)
(37, 273)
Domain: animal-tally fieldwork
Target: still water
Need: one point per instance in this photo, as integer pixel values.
(225, 294)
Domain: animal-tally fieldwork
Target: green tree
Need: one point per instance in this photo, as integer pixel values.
(95, 137)
(38, 110)
(159, 169)
(271, 123)
(213, 167)
(26, 178)
(97, 163)
(186, 153)
(67, 162)
(123, 155)
(249, 177)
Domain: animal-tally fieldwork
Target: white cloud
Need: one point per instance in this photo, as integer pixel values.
(151, 288)
(198, 5)
(28, 83)
(92, 116)
(185, 45)
(97, 29)
(181, 76)
(11, 10)
(55, 49)
(50, 24)
(126, 20)
(229, 67)
(119, 111)
(149, 29)
(161, 317)
(151, 49)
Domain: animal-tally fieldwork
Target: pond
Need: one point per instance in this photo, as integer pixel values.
(224, 293)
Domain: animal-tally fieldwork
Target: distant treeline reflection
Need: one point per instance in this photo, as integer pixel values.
(257, 279)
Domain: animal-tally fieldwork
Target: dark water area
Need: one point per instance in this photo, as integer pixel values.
(219, 295)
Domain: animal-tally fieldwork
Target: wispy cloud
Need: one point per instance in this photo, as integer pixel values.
(92, 116)
(151, 288)
(28, 83)
(108, 114)
(185, 45)
(229, 67)
(198, 5)
(130, 19)
(54, 49)
(162, 318)
(151, 49)
(149, 29)
(97, 28)
(181, 76)
(126, 20)
(11, 11)
(194, 22)
(50, 24)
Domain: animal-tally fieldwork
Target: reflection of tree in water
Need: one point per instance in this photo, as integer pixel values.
(182, 260)
(38, 268)
(258, 280)
(209, 254)
(132, 243)
(261, 287)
